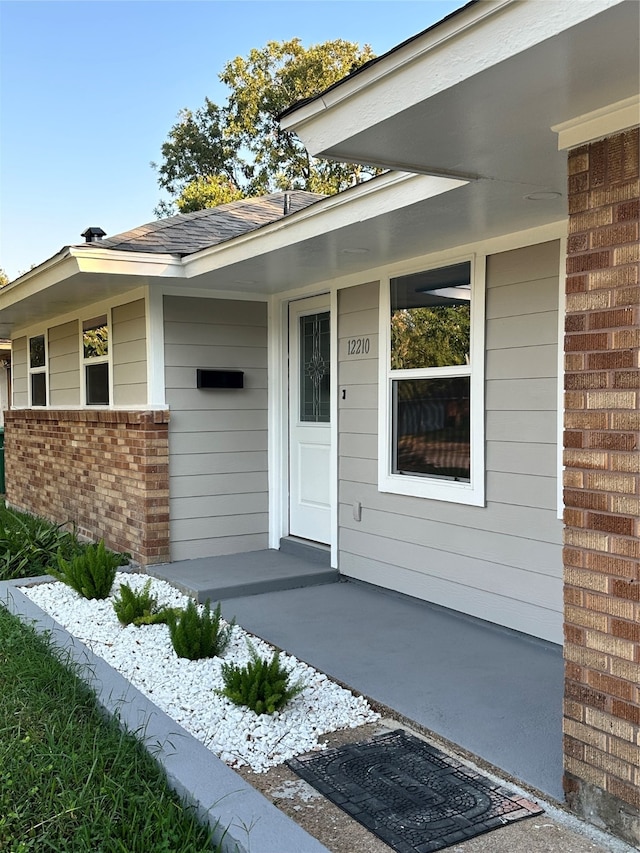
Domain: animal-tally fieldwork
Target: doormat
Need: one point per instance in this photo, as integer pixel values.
(412, 796)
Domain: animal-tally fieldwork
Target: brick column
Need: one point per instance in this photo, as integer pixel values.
(105, 472)
(602, 486)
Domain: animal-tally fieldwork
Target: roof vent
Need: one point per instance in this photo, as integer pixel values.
(286, 204)
(93, 235)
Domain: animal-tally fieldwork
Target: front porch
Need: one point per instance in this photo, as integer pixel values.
(494, 692)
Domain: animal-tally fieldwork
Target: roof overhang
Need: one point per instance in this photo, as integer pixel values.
(473, 108)
(77, 277)
(480, 93)
(387, 220)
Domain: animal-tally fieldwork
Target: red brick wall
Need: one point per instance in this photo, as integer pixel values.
(105, 471)
(602, 486)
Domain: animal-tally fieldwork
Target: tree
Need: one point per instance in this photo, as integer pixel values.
(4, 278)
(436, 336)
(209, 191)
(240, 148)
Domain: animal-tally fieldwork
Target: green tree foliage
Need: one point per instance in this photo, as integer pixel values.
(437, 336)
(240, 146)
(208, 191)
(95, 341)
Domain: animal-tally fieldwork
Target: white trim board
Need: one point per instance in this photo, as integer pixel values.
(606, 121)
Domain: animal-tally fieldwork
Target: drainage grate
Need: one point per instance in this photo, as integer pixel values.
(412, 796)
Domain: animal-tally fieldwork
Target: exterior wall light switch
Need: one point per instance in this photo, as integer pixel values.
(357, 511)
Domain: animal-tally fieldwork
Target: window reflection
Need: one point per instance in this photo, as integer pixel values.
(95, 337)
(431, 318)
(36, 351)
(38, 389)
(432, 427)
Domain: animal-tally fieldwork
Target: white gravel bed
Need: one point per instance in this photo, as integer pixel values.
(184, 689)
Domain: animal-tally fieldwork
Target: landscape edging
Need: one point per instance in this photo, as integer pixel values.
(242, 819)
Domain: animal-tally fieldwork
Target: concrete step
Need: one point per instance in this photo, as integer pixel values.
(252, 573)
(312, 552)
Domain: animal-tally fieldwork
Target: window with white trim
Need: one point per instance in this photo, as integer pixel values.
(38, 370)
(95, 359)
(431, 432)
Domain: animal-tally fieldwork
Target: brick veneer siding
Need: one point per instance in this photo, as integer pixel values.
(602, 486)
(105, 471)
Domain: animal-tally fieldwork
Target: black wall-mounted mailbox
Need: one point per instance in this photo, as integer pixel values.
(219, 378)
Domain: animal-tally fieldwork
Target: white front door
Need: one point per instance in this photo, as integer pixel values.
(309, 419)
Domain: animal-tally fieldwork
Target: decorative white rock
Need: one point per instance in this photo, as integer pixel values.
(185, 689)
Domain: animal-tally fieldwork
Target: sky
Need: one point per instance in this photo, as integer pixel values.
(89, 90)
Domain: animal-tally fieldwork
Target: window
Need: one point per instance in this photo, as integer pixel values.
(38, 371)
(95, 354)
(431, 437)
(315, 361)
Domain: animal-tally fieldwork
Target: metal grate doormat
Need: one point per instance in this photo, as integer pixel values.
(412, 796)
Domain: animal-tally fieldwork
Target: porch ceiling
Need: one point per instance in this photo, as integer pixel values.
(465, 214)
(491, 130)
(408, 216)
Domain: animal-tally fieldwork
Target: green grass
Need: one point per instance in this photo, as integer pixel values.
(29, 545)
(70, 780)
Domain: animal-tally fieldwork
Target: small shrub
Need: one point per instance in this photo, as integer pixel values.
(262, 685)
(29, 545)
(90, 573)
(131, 606)
(197, 635)
(160, 617)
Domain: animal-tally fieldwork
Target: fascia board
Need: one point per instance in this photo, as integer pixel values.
(373, 198)
(41, 278)
(598, 124)
(114, 262)
(488, 34)
(72, 261)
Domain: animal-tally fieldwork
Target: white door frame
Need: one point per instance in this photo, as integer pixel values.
(278, 418)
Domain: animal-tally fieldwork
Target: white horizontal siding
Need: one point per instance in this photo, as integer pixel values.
(216, 545)
(501, 562)
(64, 364)
(218, 481)
(19, 371)
(129, 354)
(492, 606)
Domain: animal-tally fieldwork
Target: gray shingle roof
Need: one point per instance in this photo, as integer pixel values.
(190, 232)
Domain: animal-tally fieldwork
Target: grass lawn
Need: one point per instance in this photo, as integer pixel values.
(70, 780)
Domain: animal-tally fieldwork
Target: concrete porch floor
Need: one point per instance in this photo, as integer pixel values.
(494, 692)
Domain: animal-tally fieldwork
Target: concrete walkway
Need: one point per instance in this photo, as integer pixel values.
(490, 691)
(494, 692)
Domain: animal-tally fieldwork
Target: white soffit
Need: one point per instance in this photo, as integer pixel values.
(77, 277)
(482, 102)
(461, 47)
(367, 201)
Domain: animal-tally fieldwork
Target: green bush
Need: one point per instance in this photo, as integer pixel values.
(131, 606)
(90, 573)
(197, 635)
(262, 685)
(29, 545)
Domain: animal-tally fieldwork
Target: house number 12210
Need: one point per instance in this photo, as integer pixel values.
(358, 346)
